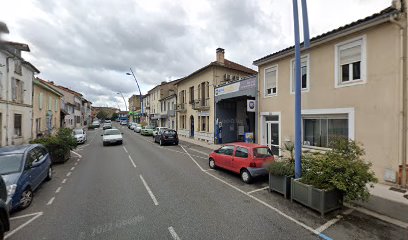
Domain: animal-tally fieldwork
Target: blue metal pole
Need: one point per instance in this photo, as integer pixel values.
(306, 35)
(298, 117)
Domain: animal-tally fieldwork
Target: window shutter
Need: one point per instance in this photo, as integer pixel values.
(49, 103)
(13, 89)
(350, 55)
(22, 91)
(270, 78)
(56, 105)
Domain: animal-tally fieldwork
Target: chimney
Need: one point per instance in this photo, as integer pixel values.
(220, 55)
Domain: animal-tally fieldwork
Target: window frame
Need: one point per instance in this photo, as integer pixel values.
(363, 62)
(292, 62)
(277, 80)
(21, 125)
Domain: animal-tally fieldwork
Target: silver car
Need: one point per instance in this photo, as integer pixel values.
(112, 136)
(80, 135)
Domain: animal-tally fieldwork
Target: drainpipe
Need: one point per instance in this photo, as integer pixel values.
(7, 98)
(403, 30)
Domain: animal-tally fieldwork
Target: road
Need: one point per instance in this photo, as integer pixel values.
(140, 190)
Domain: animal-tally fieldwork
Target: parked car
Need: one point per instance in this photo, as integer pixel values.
(112, 136)
(96, 124)
(157, 130)
(108, 121)
(166, 136)
(147, 131)
(123, 122)
(247, 159)
(4, 209)
(133, 125)
(24, 168)
(107, 126)
(80, 135)
(138, 128)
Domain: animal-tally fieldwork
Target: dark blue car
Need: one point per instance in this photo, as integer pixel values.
(24, 168)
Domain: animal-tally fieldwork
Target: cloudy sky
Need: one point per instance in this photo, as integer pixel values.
(89, 45)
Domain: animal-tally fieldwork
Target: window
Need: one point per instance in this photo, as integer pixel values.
(271, 80)
(17, 67)
(319, 130)
(350, 62)
(191, 91)
(262, 152)
(241, 152)
(49, 103)
(304, 74)
(17, 88)
(226, 150)
(17, 125)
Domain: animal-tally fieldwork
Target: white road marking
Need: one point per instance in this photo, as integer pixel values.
(208, 170)
(78, 159)
(173, 233)
(202, 169)
(125, 149)
(25, 215)
(131, 160)
(149, 191)
(79, 155)
(257, 190)
(9, 234)
(58, 190)
(51, 201)
(76, 163)
(328, 224)
(69, 174)
(73, 168)
(64, 181)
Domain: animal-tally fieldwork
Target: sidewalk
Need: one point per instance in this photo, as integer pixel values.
(200, 143)
(388, 202)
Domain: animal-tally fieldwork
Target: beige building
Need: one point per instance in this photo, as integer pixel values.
(134, 106)
(352, 85)
(153, 108)
(195, 96)
(46, 109)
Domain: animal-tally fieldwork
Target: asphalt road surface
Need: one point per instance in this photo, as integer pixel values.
(140, 190)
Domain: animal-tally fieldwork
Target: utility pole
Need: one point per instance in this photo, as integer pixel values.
(298, 96)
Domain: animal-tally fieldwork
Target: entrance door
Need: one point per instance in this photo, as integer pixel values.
(191, 126)
(272, 137)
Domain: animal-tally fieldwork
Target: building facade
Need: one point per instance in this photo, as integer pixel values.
(352, 86)
(195, 96)
(134, 108)
(168, 107)
(16, 86)
(46, 109)
(155, 118)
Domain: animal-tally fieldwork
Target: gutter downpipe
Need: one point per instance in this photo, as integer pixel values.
(403, 29)
(7, 99)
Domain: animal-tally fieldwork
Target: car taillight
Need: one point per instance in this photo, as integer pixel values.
(252, 164)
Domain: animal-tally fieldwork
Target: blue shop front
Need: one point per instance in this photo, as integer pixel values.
(235, 111)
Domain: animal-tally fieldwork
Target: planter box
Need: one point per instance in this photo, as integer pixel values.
(280, 184)
(322, 201)
(58, 159)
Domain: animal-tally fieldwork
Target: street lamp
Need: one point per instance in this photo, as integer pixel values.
(140, 92)
(123, 99)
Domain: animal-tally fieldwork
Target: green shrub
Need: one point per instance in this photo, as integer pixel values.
(282, 168)
(60, 144)
(342, 168)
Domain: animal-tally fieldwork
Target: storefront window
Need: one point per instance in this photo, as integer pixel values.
(319, 131)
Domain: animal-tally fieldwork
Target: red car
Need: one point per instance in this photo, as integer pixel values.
(247, 159)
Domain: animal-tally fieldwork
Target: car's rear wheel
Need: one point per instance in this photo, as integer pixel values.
(26, 198)
(176, 143)
(49, 174)
(246, 176)
(211, 163)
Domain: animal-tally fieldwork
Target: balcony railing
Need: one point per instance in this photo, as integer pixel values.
(200, 104)
(181, 107)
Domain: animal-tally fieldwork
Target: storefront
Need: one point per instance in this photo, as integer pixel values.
(235, 111)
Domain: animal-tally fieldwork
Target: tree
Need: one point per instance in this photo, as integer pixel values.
(102, 114)
(114, 116)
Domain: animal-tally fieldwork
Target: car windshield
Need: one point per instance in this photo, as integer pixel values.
(169, 132)
(78, 131)
(262, 152)
(10, 163)
(112, 132)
